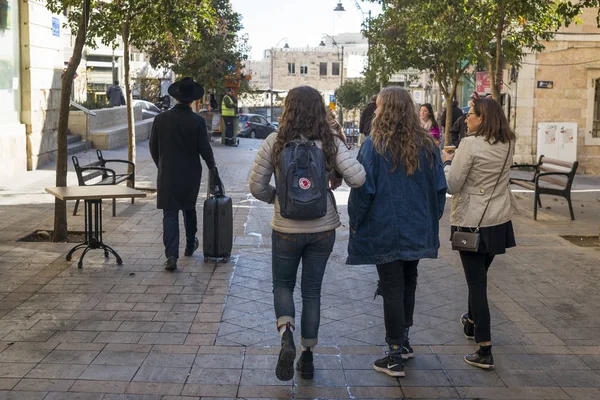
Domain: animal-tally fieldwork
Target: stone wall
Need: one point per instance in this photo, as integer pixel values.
(571, 62)
(283, 80)
(41, 69)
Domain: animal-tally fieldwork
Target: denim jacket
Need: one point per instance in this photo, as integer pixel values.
(394, 216)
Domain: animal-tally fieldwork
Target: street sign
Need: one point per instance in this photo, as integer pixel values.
(55, 27)
(545, 84)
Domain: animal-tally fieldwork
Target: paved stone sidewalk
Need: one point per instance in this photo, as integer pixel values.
(207, 331)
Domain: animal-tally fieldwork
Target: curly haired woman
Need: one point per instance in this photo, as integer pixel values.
(394, 216)
(310, 241)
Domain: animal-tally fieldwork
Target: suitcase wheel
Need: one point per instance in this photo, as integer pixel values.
(205, 259)
(225, 260)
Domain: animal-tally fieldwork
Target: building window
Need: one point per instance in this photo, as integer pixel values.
(292, 68)
(323, 69)
(335, 68)
(9, 62)
(304, 70)
(596, 127)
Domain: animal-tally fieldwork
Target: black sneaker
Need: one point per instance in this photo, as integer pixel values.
(285, 364)
(477, 360)
(407, 351)
(390, 365)
(171, 264)
(189, 250)
(468, 326)
(305, 365)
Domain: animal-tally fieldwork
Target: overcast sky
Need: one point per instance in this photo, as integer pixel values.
(300, 23)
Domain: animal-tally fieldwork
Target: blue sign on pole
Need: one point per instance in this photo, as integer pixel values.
(332, 98)
(55, 27)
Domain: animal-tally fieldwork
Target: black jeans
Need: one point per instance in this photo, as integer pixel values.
(314, 250)
(476, 266)
(171, 230)
(397, 286)
(228, 126)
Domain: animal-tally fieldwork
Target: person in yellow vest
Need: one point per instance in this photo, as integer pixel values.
(228, 112)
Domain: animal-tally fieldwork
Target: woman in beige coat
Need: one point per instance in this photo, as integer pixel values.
(310, 241)
(481, 162)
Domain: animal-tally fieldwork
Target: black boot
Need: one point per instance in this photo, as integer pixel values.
(285, 364)
(468, 326)
(482, 358)
(191, 247)
(171, 264)
(305, 365)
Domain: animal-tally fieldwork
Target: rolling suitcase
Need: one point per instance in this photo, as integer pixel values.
(217, 232)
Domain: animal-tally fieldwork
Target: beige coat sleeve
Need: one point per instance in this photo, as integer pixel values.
(262, 171)
(349, 167)
(457, 172)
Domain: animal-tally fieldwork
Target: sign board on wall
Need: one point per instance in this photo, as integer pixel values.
(484, 83)
(55, 27)
(418, 96)
(545, 84)
(557, 140)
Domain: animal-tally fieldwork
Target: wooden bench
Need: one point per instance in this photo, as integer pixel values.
(550, 176)
(107, 176)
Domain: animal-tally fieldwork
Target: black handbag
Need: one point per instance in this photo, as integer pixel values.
(469, 240)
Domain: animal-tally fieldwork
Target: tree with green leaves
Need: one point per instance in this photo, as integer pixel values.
(436, 35)
(211, 56)
(81, 20)
(145, 24)
(509, 28)
(350, 94)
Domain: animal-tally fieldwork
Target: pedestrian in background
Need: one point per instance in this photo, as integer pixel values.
(177, 141)
(456, 114)
(429, 123)
(459, 128)
(478, 180)
(228, 112)
(364, 125)
(311, 241)
(394, 216)
(115, 96)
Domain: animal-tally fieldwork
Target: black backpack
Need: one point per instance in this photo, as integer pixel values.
(302, 181)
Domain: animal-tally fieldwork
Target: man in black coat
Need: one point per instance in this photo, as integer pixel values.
(177, 141)
(456, 114)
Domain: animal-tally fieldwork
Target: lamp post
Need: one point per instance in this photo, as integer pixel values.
(341, 59)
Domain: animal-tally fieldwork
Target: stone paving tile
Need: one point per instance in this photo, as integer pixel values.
(108, 373)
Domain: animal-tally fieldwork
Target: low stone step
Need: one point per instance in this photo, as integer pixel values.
(77, 147)
(73, 139)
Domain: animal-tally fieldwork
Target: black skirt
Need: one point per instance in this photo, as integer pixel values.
(494, 239)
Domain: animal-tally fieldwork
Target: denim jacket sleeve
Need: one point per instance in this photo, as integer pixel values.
(361, 198)
(440, 182)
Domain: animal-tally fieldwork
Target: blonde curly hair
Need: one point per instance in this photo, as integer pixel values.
(397, 132)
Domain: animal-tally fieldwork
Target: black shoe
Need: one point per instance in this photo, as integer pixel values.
(390, 365)
(189, 250)
(285, 363)
(407, 351)
(468, 326)
(171, 264)
(305, 365)
(477, 360)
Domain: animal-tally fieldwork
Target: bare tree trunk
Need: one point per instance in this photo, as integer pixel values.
(60, 206)
(495, 70)
(128, 98)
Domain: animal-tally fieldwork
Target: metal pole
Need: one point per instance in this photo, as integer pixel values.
(271, 85)
(341, 84)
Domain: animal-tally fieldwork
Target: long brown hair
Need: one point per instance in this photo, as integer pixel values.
(304, 115)
(397, 130)
(494, 126)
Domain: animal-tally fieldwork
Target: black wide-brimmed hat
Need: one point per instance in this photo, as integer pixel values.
(186, 90)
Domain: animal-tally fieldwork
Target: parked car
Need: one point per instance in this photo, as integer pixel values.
(255, 126)
(149, 110)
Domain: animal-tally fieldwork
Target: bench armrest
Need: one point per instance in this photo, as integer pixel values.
(533, 166)
(104, 170)
(122, 161)
(541, 175)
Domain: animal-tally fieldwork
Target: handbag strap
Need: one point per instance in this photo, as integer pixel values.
(495, 186)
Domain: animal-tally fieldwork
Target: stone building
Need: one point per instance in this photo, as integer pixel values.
(562, 85)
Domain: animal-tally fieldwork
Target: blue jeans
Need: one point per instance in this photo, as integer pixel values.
(314, 250)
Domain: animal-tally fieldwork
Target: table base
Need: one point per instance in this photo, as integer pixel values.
(93, 233)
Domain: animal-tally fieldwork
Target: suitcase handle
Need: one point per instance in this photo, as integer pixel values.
(214, 180)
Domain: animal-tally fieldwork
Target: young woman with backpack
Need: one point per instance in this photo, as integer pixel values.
(294, 153)
(394, 216)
